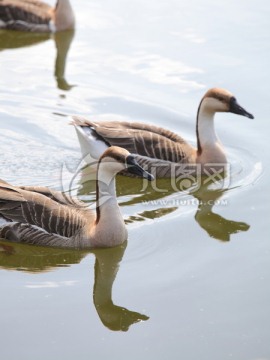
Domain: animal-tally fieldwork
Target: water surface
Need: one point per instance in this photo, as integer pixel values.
(193, 279)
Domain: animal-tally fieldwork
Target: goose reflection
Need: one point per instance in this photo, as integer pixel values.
(214, 224)
(106, 267)
(38, 259)
(63, 40)
(130, 191)
(206, 198)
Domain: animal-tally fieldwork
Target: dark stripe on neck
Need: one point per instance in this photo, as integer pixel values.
(97, 196)
(199, 147)
(97, 202)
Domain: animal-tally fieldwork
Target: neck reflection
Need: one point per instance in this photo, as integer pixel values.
(63, 40)
(38, 259)
(217, 226)
(112, 316)
(157, 203)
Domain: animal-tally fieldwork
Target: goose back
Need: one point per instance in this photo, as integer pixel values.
(46, 209)
(58, 196)
(146, 140)
(25, 15)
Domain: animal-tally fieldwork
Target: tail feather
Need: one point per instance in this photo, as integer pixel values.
(9, 192)
(92, 144)
(81, 121)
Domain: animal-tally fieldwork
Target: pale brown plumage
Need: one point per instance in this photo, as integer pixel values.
(143, 139)
(36, 16)
(65, 221)
(156, 148)
(159, 149)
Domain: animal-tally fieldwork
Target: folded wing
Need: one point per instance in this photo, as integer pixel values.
(45, 209)
(146, 140)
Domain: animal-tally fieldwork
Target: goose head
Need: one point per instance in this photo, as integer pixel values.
(221, 100)
(116, 159)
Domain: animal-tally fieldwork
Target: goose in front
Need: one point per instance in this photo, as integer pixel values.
(62, 221)
(161, 151)
(36, 16)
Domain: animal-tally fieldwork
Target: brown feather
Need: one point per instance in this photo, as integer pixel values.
(74, 225)
(143, 139)
(28, 11)
(54, 213)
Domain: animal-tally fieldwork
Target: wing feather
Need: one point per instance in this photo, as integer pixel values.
(46, 212)
(23, 15)
(143, 139)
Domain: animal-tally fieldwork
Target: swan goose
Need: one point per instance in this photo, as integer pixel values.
(36, 16)
(66, 222)
(159, 150)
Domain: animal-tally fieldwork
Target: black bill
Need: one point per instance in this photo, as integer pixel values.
(237, 109)
(134, 168)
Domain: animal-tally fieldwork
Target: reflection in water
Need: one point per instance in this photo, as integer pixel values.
(106, 267)
(161, 196)
(13, 40)
(215, 225)
(63, 40)
(36, 259)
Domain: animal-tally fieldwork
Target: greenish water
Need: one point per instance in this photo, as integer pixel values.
(192, 282)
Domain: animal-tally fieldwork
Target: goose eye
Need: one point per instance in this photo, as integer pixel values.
(118, 158)
(130, 161)
(232, 101)
(220, 98)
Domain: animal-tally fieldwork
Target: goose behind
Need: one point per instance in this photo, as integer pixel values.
(36, 16)
(62, 221)
(161, 149)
